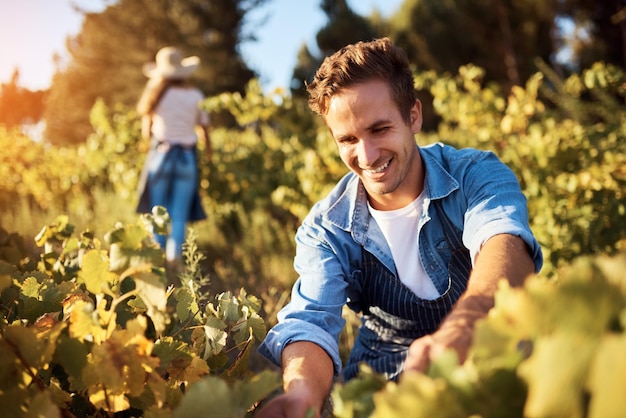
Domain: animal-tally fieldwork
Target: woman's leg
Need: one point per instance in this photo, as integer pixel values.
(184, 185)
(159, 177)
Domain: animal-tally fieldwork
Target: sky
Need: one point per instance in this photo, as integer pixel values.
(32, 32)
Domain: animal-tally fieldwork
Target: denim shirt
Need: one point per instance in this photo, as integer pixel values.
(479, 195)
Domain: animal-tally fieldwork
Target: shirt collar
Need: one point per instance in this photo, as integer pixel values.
(349, 212)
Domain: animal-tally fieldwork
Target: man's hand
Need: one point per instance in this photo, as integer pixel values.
(425, 350)
(307, 381)
(291, 404)
(501, 257)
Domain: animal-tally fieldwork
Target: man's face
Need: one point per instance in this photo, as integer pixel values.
(377, 144)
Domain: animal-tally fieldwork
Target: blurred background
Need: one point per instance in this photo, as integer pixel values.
(539, 82)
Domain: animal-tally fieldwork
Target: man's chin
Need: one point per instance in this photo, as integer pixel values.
(375, 189)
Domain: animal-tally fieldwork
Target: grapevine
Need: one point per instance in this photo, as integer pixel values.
(94, 330)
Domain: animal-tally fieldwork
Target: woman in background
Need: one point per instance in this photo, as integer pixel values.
(172, 122)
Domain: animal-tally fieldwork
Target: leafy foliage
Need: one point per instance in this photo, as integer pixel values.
(552, 348)
(565, 140)
(94, 330)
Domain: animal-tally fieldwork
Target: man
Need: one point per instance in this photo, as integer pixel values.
(415, 239)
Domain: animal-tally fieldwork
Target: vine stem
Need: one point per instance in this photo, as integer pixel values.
(26, 366)
(187, 322)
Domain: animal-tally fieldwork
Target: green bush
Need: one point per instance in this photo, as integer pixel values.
(93, 329)
(554, 348)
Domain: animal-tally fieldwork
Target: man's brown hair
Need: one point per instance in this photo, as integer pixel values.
(379, 59)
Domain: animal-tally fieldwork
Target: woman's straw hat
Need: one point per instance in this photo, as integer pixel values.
(170, 64)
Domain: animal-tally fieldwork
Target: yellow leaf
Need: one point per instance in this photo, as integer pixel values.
(158, 388)
(111, 403)
(85, 323)
(121, 365)
(95, 273)
(556, 374)
(416, 396)
(152, 291)
(35, 348)
(607, 380)
(196, 370)
(42, 405)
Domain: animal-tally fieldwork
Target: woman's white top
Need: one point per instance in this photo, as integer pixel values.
(177, 114)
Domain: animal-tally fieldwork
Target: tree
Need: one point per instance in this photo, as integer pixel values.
(331, 38)
(602, 25)
(108, 54)
(503, 37)
(18, 105)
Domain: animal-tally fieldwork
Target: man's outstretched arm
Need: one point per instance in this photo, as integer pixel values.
(502, 256)
(307, 381)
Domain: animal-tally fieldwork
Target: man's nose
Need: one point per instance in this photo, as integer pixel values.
(367, 152)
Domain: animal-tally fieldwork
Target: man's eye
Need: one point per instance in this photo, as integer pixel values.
(347, 141)
(381, 129)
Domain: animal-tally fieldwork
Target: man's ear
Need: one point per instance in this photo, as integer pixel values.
(416, 116)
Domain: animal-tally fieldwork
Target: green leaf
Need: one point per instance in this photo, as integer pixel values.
(244, 330)
(218, 361)
(239, 368)
(241, 332)
(31, 288)
(57, 231)
(215, 337)
(151, 289)
(228, 307)
(186, 304)
(250, 301)
(127, 236)
(213, 397)
(172, 353)
(257, 324)
(95, 273)
(132, 245)
(40, 297)
(210, 397)
(72, 355)
(249, 392)
(354, 399)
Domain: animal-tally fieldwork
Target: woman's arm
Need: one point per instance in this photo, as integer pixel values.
(146, 127)
(204, 136)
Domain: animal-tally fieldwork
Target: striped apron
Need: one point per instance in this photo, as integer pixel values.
(392, 315)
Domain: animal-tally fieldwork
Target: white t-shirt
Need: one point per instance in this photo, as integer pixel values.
(400, 230)
(177, 114)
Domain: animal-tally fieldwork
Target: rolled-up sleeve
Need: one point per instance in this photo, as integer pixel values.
(496, 205)
(314, 312)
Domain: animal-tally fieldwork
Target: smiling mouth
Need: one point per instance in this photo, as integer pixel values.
(377, 170)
